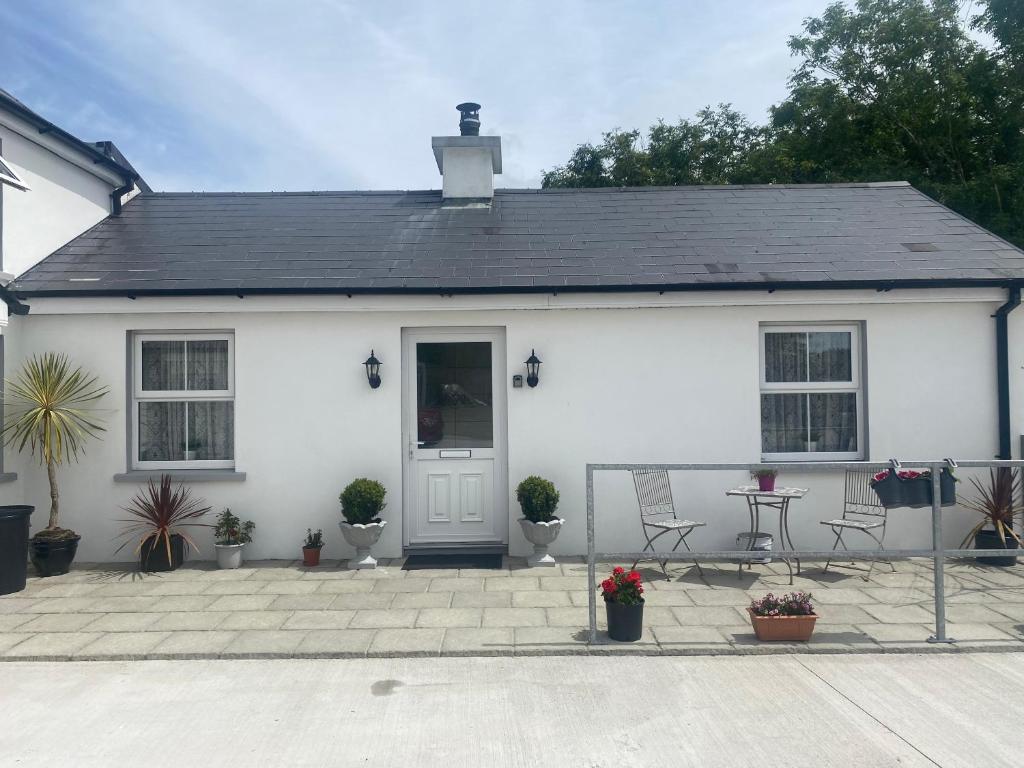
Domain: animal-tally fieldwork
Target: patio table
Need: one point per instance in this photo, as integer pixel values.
(777, 500)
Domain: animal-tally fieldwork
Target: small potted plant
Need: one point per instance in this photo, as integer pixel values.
(538, 499)
(887, 485)
(50, 411)
(765, 479)
(916, 488)
(996, 502)
(159, 514)
(312, 546)
(362, 501)
(624, 604)
(231, 537)
(783, 618)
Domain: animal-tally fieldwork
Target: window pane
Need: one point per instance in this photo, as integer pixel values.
(453, 388)
(784, 423)
(211, 430)
(833, 422)
(161, 431)
(208, 364)
(163, 365)
(831, 357)
(785, 357)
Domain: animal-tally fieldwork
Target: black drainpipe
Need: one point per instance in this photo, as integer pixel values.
(115, 197)
(1003, 370)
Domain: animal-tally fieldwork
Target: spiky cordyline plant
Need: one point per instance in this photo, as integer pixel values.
(49, 409)
(996, 503)
(159, 512)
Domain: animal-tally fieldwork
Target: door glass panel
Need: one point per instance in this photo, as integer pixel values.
(455, 405)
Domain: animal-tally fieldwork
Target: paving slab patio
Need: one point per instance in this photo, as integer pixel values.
(279, 609)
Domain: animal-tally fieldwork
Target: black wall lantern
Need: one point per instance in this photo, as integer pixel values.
(533, 369)
(372, 370)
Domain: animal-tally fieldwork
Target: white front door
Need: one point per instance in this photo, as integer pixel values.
(454, 424)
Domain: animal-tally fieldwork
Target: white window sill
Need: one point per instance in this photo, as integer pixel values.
(8, 477)
(181, 475)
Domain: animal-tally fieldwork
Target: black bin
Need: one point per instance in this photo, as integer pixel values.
(14, 522)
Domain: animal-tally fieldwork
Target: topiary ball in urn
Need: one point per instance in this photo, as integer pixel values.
(538, 499)
(362, 501)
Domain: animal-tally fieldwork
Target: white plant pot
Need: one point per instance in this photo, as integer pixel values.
(362, 537)
(541, 535)
(229, 555)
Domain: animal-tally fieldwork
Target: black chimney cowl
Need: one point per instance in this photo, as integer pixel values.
(469, 123)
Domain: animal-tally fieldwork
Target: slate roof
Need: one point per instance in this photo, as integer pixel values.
(677, 238)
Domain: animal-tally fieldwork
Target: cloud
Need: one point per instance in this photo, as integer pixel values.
(329, 94)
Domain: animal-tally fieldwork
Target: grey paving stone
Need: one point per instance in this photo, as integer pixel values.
(332, 587)
(976, 632)
(189, 620)
(52, 644)
(401, 585)
(897, 595)
(718, 597)
(137, 604)
(672, 599)
(541, 599)
(178, 588)
(887, 634)
(380, 619)
(899, 614)
(123, 622)
(11, 621)
(690, 637)
(315, 602)
(74, 589)
(195, 643)
(228, 574)
(843, 614)
(173, 603)
(1013, 611)
(122, 644)
(67, 622)
(246, 620)
(516, 584)
(969, 614)
(481, 600)
(708, 616)
(490, 641)
(11, 639)
(266, 642)
(842, 597)
(233, 587)
(406, 642)
(543, 640)
(456, 585)
(334, 570)
(289, 587)
(135, 588)
(319, 620)
(430, 600)
(241, 603)
(514, 617)
(563, 583)
(337, 642)
(49, 605)
(361, 601)
(449, 617)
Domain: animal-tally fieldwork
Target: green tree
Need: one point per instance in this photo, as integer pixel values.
(884, 90)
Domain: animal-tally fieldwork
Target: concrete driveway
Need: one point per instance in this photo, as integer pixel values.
(815, 711)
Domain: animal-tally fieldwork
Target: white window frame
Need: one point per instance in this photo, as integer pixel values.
(140, 396)
(855, 386)
(8, 176)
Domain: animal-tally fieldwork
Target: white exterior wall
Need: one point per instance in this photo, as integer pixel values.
(628, 384)
(62, 201)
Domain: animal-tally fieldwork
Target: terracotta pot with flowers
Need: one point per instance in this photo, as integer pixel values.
(765, 479)
(624, 603)
(786, 617)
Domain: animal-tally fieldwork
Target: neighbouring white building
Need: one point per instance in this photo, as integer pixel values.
(707, 324)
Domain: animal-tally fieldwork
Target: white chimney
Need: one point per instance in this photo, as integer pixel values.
(468, 162)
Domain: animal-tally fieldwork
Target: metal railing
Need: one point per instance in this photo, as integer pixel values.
(938, 552)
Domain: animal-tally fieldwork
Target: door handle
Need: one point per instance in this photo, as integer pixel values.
(413, 445)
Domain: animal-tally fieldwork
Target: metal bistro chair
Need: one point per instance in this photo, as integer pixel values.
(658, 512)
(862, 511)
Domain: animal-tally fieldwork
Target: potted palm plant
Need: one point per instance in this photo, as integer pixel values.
(231, 536)
(538, 499)
(624, 604)
(50, 411)
(787, 617)
(312, 546)
(362, 501)
(996, 502)
(158, 516)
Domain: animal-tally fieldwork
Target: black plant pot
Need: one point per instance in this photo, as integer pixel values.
(14, 521)
(889, 490)
(917, 492)
(625, 622)
(53, 557)
(947, 488)
(985, 539)
(153, 555)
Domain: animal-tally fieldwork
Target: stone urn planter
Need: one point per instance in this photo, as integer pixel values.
(229, 555)
(540, 535)
(362, 536)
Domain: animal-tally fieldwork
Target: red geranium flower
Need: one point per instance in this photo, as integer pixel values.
(618, 569)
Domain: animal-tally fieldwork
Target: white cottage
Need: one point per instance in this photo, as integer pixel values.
(699, 324)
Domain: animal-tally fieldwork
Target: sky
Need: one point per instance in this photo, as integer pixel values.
(255, 95)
